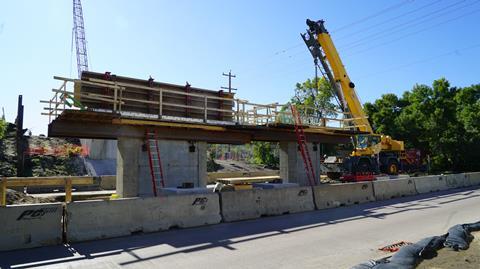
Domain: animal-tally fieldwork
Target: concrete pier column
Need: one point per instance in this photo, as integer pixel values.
(182, 162)
(128, 154)
(292, 167)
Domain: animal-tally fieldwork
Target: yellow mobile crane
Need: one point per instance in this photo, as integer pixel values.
(373, 153)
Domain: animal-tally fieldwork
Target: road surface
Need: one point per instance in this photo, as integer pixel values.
(334, 238)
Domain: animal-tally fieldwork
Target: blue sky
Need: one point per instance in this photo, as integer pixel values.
(386, 46)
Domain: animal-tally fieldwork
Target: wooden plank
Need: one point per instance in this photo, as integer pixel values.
(168, 124)
(68, 190)
(247, 180)
(46, 181)
(239, 174)
(3, 192)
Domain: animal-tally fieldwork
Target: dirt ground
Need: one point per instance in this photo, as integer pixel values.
(38, 165)
(449, 259)
(15, 197)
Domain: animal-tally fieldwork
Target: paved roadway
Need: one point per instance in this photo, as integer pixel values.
(334, 238)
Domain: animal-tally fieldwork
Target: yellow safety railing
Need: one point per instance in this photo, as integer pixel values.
(68, 182)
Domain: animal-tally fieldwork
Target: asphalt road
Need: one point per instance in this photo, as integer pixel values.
(334, 238)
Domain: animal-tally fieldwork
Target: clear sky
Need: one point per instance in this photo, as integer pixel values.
(386, 45)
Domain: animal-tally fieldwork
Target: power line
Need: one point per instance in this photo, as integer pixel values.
(387, 21)
(416, 32)
(455, 51)
(287, 49)
(369, 17)
(376, 14)
(402, 26)
(300, 44)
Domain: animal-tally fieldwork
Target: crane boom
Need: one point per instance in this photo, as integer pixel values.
(372, 152)
(80, 41)
(322, 48)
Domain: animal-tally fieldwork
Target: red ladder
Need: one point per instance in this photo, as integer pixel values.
(156, 170)
(302, 144)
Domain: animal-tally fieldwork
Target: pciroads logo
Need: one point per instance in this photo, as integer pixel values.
(37, 213)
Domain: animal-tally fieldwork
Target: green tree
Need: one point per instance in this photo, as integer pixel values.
(3, 128)
(440, 120)
(384, 112)
(265, 153)
(318, 96)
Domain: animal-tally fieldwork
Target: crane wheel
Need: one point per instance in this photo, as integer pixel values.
(364, 166)
(392, 168)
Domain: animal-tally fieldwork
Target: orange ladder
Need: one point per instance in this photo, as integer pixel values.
(303, 146)
(155, 162)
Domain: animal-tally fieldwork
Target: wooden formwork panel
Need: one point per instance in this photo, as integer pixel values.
(150, 98)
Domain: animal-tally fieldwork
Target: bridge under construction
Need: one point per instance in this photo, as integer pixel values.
(182, 119)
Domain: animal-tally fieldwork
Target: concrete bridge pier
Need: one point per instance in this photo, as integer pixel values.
(292, 167)
(182, 162)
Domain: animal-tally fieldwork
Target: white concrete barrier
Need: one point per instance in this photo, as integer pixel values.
(280, 201)
(393, 188)
(457, 181)
(182, 211)
(335, 195)
(428, 184)
(241, 205)
(27, 226)
(90, 220)
(250, 204)
(474, 178)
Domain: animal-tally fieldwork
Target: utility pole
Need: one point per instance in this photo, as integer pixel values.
(230, 76)
(230, 89)
(20, 142)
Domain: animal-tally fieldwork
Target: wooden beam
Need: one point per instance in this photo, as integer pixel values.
(248, 180)
(168, 124)
(3, 192)
(68, 190)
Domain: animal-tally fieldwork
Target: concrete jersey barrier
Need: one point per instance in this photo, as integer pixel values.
(286, 200)
(430, 184)
(27, 226)
(182, 211)
(343, 194)
(251, 204)
(455, 181)
(473, 178)
(393, 188)
(91, 220)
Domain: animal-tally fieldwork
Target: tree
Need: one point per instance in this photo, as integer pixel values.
(266, 153)
(440, 120)
(314, 98)
(383, 113)
(319, 97)
(3, 127)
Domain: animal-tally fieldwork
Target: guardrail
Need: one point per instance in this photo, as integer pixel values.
(68, 182)
(243, 113)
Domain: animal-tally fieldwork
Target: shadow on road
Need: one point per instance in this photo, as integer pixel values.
(225, 235)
